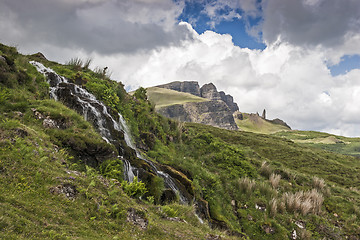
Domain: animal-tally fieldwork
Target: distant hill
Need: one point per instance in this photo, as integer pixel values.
(252, 122)
(188, 102)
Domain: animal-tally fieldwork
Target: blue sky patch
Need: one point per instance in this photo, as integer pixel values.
(348, 63)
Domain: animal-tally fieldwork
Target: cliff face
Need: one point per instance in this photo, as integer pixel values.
(207, 91)
(215, 113)
(187, 87)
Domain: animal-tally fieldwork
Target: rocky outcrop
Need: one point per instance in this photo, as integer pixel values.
(191, 87)
(279, 122)
(214, 113)
(209, 91)
(229, 100)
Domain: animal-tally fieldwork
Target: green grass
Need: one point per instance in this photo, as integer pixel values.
(162, 97)
(225, 169)
(325, 141)
(255, 124)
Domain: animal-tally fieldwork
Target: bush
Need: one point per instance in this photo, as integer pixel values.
(134, 189)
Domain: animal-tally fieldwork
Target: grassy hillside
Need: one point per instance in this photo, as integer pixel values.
(329, 142)
(162, 97)
(256, 186)
(256, 124)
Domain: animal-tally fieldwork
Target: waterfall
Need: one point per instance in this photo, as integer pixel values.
(96, 112)
(92, 109)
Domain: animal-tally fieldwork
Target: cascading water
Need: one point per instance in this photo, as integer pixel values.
(96, 112)
(93, 110)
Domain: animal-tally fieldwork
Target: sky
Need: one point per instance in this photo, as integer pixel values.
(298, 59)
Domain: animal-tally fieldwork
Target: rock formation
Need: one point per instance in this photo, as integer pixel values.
(229, 100)
(215, 113)
(187, 87)
(264, 114)
(209, 91)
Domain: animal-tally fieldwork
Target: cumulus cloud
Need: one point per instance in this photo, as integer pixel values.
(142, 44)
(292, 83)
(328, 24)
(104, 26)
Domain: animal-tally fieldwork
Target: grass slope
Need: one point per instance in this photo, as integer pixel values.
(247, 198)
(329, 142)
(162, 97)
(256, 124)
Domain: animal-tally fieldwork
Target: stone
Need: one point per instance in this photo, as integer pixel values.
(2, 59)
(212, 237)
(209, 91)
(214, 113)
(279, 122)
(49, 123)
(263, 115)
(229, 100)
(137, 218)
(67, 189)
(191, 87)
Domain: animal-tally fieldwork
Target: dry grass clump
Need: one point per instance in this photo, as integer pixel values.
(246, 185)
(273, 207)
(265, 169)
(274, 180)
(303, 202)
(318, 183)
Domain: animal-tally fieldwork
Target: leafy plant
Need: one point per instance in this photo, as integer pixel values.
(135, 189)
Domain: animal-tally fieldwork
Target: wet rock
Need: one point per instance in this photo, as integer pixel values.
(137, 218)
(67, 189)
(168, 196)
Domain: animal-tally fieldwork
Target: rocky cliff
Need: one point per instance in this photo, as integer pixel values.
(215, 113)
(207, 91)
(187, 87)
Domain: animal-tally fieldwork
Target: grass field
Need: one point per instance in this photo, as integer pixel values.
(162, 97)
(256, 124)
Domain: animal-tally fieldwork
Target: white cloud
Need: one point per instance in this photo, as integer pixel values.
(332, 25)
(291, 83)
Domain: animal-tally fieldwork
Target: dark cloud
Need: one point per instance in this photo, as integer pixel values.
(103, 26)
(310, 22)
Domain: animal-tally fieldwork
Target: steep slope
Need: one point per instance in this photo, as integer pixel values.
(66, 182)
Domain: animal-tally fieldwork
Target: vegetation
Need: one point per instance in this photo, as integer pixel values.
(256, 186)
(162, 97)
(256, 124)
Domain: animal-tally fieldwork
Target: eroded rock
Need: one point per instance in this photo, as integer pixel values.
(137, 218)
(67, 189)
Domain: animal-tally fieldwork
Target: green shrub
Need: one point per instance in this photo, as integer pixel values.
(135, 189)
(112, 168)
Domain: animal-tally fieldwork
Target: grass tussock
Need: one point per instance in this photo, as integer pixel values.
(274, 180)
(303, 202)
(246, 185)
(265, 169)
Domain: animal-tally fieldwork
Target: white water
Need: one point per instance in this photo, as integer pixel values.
(90, 110)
